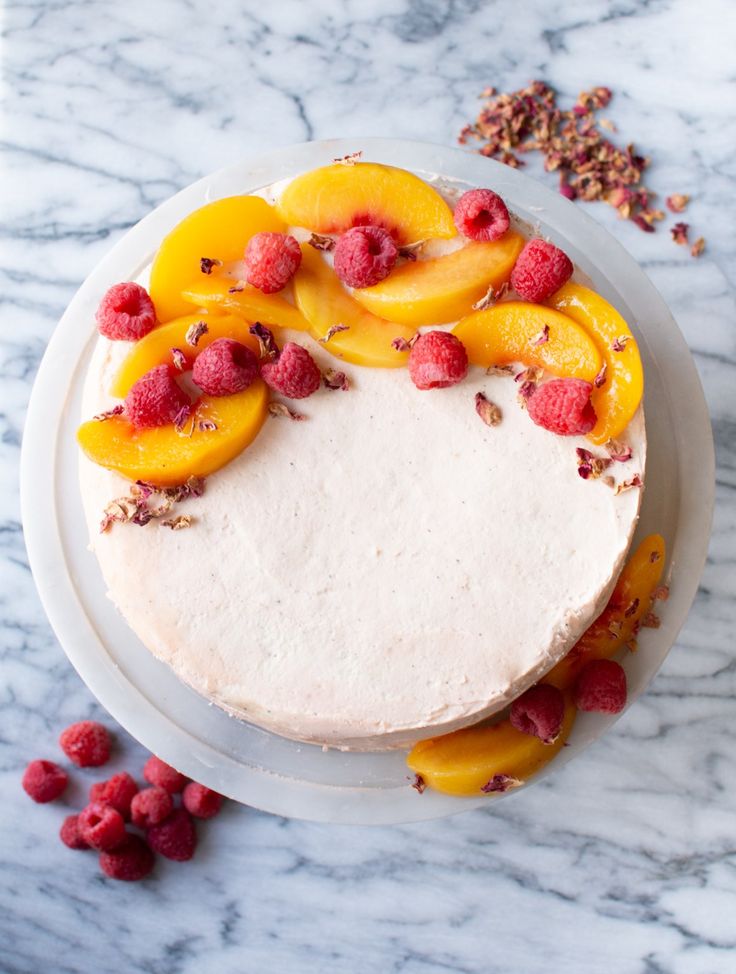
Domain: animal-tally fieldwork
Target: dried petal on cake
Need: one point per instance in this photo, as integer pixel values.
(179, 359)
(650, 620)
(677, 202)
(135, 508)
(281, 409)
(266, 341)
(321, 242)
(334, 330)
(500, 370)
(109, 413)
(491, 297)
(418, 784)
(488, 411)
(236, 289)
(179, 522)
(181, 418)
(621, 452)
(590, 467)
(619, 344)
(195, 332)
(333, 379)
(402, 345)
(635, 481)
(542, 338)
(661, 594)
(600, 379)
(350, 159)
(207, 263)
(500, 783)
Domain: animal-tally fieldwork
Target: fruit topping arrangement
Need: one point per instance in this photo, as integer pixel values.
(346, 265)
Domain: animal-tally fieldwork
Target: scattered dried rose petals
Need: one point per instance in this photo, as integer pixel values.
(542, 338)
(488, 411)
(181, 418)
(179, 359)
(195, 332)
(281, 409)
(635, 481)
(179, 522)
(350, 159)
(135, 508)
(109, 413)
(590, 467)
(618, 451)
(677, 202)
(679, 233)
(500, 783)
(402, 345)
(207, 263)
(600, 379)
(619, 344)
(334, 330)
(269, 348)
(320, 242)
(418, 784)
(335, 380)
(698, 247)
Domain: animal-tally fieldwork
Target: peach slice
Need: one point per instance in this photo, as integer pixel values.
(442, 289)
(618, 398)
(463, 762)
(514, 331)
(166, 457)
(218, 230)
(213, 293)
(156, 347)
(324, 302)
(334, 198)
(619, 621)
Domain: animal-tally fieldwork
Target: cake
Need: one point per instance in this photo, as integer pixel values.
(406, 561)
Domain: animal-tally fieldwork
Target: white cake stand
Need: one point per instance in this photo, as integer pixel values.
(236, 758)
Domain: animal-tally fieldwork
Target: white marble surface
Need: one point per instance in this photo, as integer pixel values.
(626, 860)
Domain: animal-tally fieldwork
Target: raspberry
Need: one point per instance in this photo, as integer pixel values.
(86, 743)
(364, 256)
(540, 270)
(131, 860)
(437, 360)
(69, 833)
(44, 781)
(155, 399)
(158, 772)
(118, 792)
(126, 313)
(201, 802)
(601, 687)
(271, 260)
(481, 214)
(151, 806)
(225, 367)
(563, 406)
(539, 712)
(294, 373)
(176, 838)
(101, 826)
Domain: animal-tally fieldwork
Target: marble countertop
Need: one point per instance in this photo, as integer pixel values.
(624, 861)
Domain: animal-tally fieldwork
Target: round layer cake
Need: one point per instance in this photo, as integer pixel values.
(389, 569)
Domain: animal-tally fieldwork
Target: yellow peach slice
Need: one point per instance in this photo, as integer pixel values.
(618, 398)
(619, 621)
(214, 294)
(515, 331)
(219, 230)
(166, 457)
(334, 198)
(156, 347)
(463, 762)
(325, 303)
(442, 289)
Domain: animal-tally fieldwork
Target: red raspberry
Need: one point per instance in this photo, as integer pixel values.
(601, 687)
(176, 838)
(117, 792)
(69, 833)
(158, 772)
(563, 406)
(540, 270)
(364, 256)
(539, 712)
(131, 860)
(294, 373)
(101, 826)
(437, 360)
(271, 260)
(126, 313)
(225, 367)
(201, 802)
(86, 743)
(44, 781)
(155, 399)
(151, 806)
(481, 214)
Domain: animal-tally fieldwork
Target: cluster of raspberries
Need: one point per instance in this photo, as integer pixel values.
(117, 804)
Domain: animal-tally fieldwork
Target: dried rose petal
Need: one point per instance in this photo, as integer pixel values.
(207, 263)
(350, 159)
(402, 345)
(335, 380)
(179, 522)
(410, 251)
(269, 348)
(500, 370)
(590, 467)
(179, 359)
(679, 232)
(500, 783)
(109, 413)
(206, 425)
(236, 289)
(542, 338)
(334, 330)
(677, 202)
(651, 620)
(600, 379)
(418, 784)
(661, 594)
(195, 332)
(698, 247)
(654, 556)
(281, 409)
(181, 418)
(618, 451)
(619, 344)
(635, 481)
(631, 608)
(487, 301)
(320, 242)
(488, 411)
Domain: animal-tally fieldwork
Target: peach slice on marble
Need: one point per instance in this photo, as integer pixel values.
(362, 338)
(219, 294)
(335, 198)
(486, 758)
(516, 331)
(621, 387)
(442, 289)
(618, 623)
(218, 231)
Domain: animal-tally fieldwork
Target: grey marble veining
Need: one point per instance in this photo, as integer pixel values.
(626, 860)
